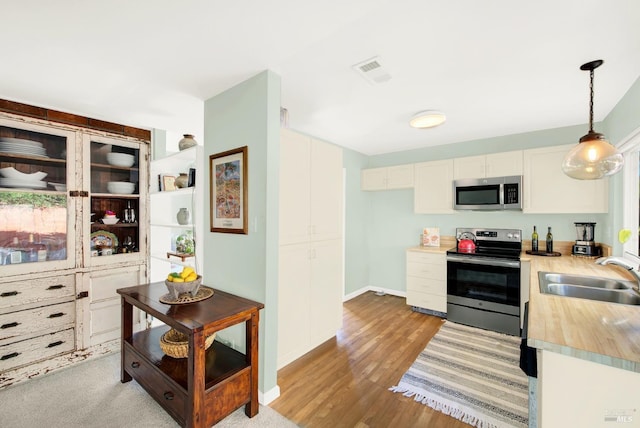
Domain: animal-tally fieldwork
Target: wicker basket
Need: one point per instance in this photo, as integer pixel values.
(176, 344)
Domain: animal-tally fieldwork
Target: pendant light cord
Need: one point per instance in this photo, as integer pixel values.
(591, 101)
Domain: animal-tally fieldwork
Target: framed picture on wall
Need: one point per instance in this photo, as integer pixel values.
(228, 184)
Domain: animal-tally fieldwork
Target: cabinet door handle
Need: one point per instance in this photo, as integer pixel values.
(54, 344)
(168, 395)
(56, 315)
(55, 287)
(11, 355)
(9, 294)
(135, 364)
(11, 324)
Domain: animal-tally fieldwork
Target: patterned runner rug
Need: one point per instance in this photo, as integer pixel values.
(472, 375)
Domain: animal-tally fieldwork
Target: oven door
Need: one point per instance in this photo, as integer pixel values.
(490, 283)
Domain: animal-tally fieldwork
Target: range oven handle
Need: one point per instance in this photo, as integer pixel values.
(485, 261)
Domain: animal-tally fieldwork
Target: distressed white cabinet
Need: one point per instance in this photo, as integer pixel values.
(492, 165)
(54, 243)
(548, 190)
(387, 178)
(433, 192)
(310, 284)
(427, 280)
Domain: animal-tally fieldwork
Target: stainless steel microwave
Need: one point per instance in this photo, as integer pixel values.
(488, 194)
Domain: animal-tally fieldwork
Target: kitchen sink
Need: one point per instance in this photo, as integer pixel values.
(589, 287)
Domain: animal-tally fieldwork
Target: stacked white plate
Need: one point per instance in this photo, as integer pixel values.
(19, 146)
(11, 177)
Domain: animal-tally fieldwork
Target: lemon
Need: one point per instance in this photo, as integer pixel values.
(624, 235)
(191, 277)
(169, 278)
(178, 280)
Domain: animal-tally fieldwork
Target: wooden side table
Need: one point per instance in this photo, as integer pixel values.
(208, 385)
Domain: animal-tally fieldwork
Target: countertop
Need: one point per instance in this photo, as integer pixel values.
(606, 333)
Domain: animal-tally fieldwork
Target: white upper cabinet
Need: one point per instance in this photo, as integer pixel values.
(493, 165)
(433, 192)
(548, 190)
(310, 189)
(387, 178)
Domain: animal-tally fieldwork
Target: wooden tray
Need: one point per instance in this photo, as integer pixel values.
(543, 253)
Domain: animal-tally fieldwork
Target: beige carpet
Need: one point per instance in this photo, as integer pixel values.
(90, 394)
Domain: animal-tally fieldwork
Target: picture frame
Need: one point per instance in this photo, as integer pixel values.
(228, 172)
(167, 182)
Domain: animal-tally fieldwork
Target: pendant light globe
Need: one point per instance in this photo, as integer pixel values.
(594, 157)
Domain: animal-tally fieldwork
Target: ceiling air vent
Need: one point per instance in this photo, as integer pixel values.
(372, 71)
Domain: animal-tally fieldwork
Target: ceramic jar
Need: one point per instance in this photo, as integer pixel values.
(186, 142)
(182, 180)
(183, 216)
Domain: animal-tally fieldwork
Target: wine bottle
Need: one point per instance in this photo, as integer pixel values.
(534, 240)
(549, 241)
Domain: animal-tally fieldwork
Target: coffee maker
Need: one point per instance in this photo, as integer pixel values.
(585, 244)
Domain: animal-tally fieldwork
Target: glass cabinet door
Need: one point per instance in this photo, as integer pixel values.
(36, 212)
(117, 179)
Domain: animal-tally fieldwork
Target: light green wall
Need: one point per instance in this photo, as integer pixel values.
(246, 265)
(391, 225)
(623, 120)
(357, 210)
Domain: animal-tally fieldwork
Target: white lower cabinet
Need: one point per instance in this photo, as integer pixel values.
(427, 280)
(37, 319)
(573, 392)
(101, 309)
(309, 297)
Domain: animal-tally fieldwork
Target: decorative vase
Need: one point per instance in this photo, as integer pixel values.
(183, 216)
(186, 142)
(182, 180)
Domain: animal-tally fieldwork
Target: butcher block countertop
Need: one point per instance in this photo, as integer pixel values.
(606, 333)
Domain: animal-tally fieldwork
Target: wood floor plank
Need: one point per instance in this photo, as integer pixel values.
(345, 381)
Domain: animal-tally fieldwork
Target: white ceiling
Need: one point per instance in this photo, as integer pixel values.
(495, 67)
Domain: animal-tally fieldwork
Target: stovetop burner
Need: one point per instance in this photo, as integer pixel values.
(496, 243)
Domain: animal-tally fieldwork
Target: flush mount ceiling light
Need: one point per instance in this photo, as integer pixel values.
(427, 119)
(593, 157)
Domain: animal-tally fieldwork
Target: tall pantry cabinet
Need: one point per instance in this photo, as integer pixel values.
(73, 229)
(310, 231)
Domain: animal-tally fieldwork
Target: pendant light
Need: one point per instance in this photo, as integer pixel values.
(593, 158)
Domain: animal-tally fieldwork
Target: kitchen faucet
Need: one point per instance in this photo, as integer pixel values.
(619, 261)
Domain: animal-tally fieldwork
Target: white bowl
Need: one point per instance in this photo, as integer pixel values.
(60, 187)
(123, 187)
(11, 172)
(110, 220)
(120, 159)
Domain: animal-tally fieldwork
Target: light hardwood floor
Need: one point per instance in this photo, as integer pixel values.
(345, 381)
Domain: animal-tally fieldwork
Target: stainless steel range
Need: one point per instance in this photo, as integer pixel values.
(483, 279)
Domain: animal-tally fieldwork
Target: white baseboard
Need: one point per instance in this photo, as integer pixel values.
(376, 290)
(269, 396)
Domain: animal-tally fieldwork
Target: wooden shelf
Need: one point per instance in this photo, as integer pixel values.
(181, 256)
(221, 361)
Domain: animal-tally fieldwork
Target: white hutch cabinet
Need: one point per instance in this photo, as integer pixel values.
(61, 256)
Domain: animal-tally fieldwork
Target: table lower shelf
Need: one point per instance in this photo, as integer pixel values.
(227, 377)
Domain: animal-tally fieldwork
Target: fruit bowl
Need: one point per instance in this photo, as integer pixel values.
(178, 288)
